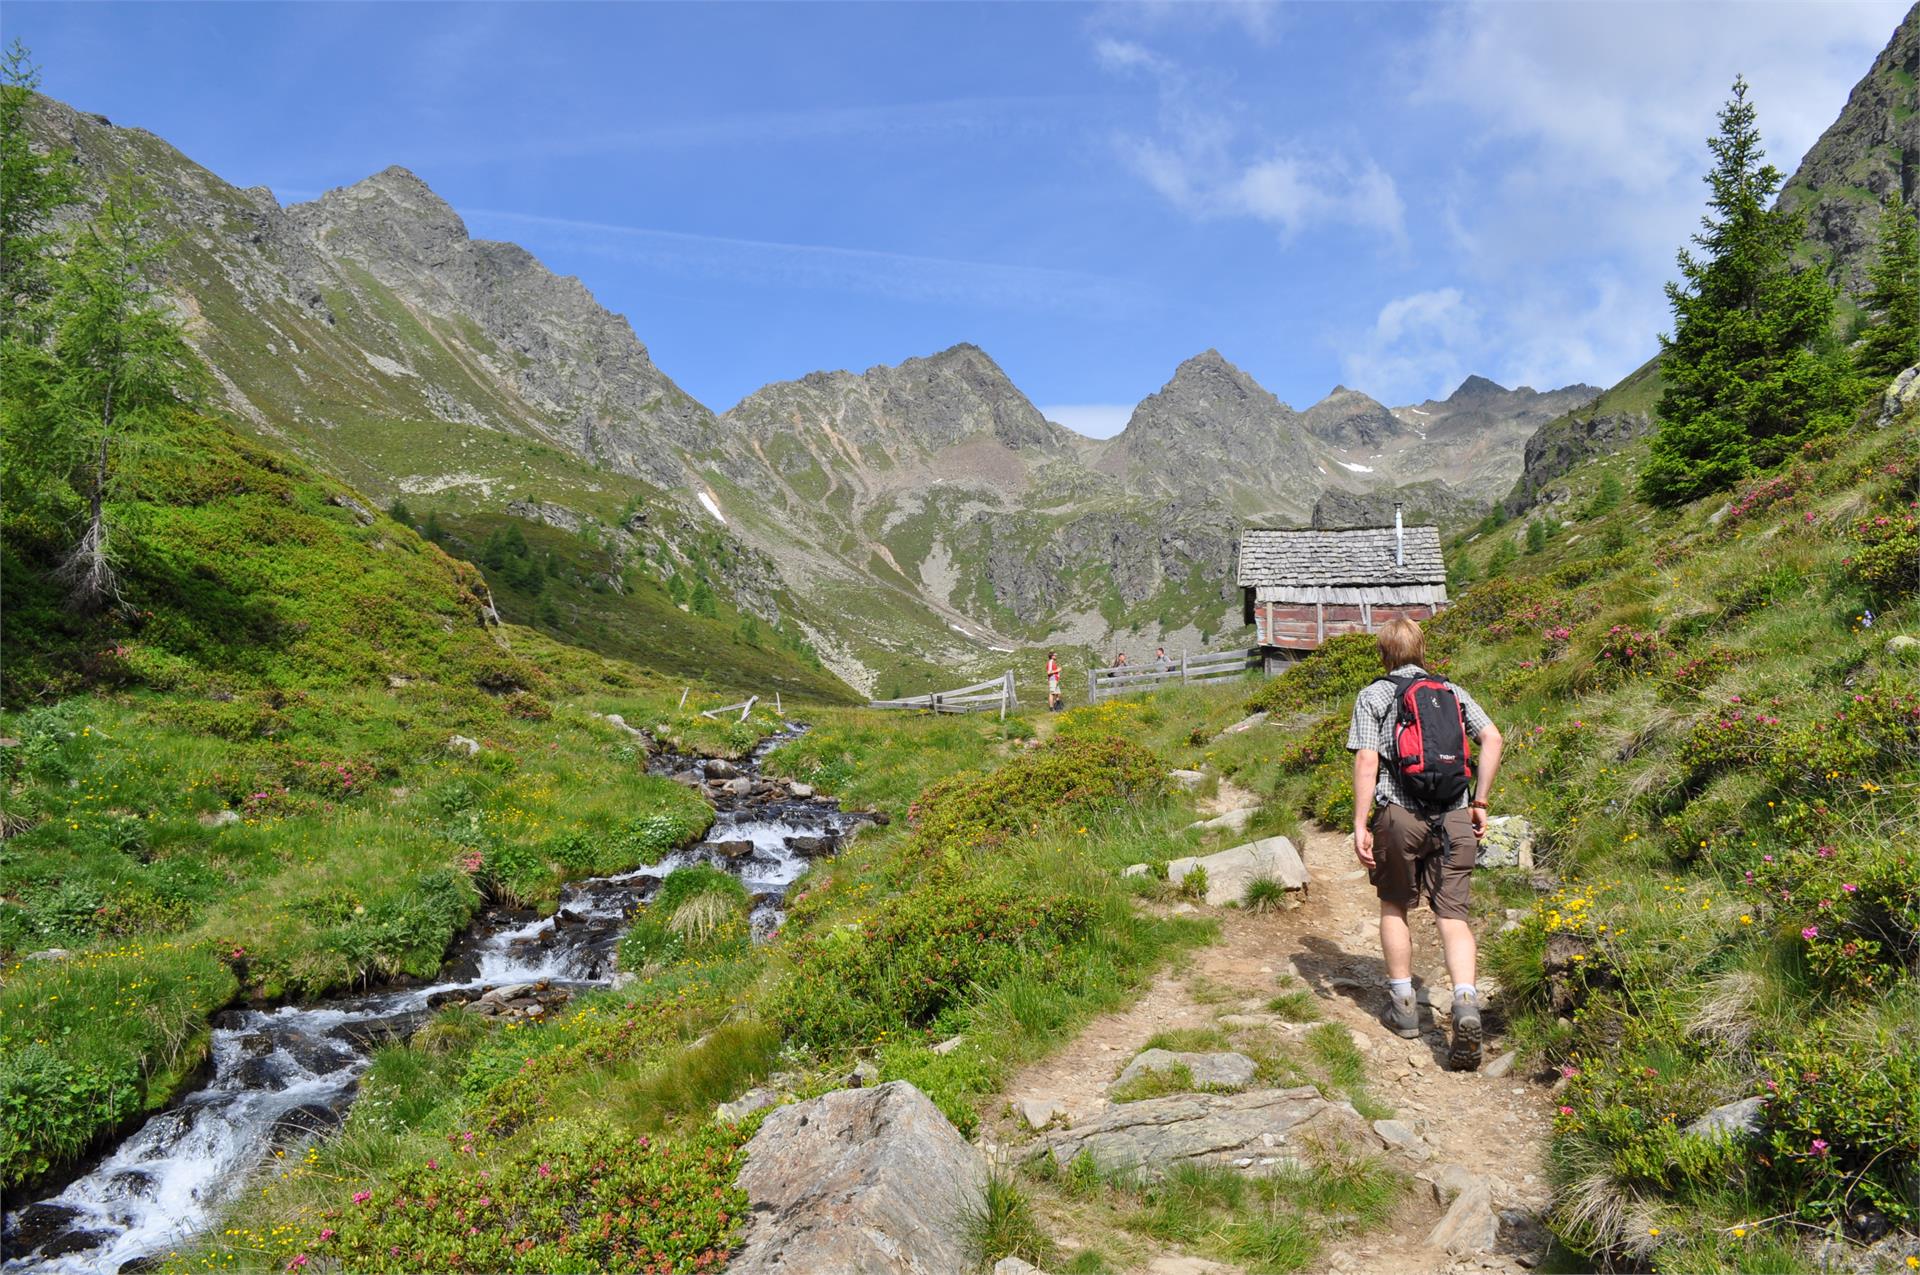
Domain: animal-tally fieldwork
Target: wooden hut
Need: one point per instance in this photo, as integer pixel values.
(1303, 586)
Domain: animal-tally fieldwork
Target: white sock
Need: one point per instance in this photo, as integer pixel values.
(1400, 986)
(1465, 989)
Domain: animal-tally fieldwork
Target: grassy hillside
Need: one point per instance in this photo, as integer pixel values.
(1721, 757)
(241, 785)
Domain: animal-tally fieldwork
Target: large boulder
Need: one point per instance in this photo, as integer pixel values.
(1223, 1072)
(1508, 843)
(870, 1181)
(1264, 1130)
(1229, 871)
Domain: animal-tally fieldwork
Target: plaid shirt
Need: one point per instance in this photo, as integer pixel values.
(1372, 728)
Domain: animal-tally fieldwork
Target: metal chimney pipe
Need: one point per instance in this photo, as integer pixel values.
(1399, 538)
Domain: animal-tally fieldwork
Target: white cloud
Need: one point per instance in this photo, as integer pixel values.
(1420, 346)
(1095, 420)
(1204, 162)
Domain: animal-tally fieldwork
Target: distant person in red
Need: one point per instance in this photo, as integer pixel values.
(1053, 682)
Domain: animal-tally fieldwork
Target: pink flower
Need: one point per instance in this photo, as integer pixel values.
(1569, 1070)
(433, 1164)
(326, 1235)
(361, 1197)
(1811, 932)
(297, 1262)
(545, 1172)
(1819, 1146)
(1566, 1110)
(1850, 887)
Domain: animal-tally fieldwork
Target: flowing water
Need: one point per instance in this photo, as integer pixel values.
(279, 1076)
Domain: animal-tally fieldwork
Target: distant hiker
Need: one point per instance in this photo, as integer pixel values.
(1120, 659)
(1160, 660)
(1054, 700)
(1412, 740)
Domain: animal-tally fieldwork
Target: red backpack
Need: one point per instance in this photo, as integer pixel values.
(1432, 754)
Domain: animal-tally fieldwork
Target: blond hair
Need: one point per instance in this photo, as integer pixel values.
(1402, 642)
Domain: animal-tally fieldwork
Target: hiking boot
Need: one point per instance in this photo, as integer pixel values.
(1465, 1054)
(1403, 1015)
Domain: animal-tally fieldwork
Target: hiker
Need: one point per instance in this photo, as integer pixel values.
(1160, 660)
(1054, 700)
(1120, 659)
(1413, 768)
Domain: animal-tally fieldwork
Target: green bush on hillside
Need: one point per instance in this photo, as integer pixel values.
(1064, 779)
(1336, 671)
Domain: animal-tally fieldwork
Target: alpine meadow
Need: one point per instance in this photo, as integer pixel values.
(471, 806)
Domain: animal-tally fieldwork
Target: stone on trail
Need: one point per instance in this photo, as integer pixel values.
(1448, 1181)
(1232, 821)
(1400, 1136)
(1014, 1266)
(1260, 1131)
(1188, 779)
(1223, 1071)
(1136, 870)
(1470, 1224)
(859, 1182)
(1246, 723)
(1739, 1119)
(1499, 1066)
(1508, 843)
(1229, 871)
(950, 1044)
(1038, 1113)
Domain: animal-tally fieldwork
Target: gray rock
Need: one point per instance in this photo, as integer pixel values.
(1224, 1071)
(1524, 1236)
(1902, 647)
(801, 792)
(220, 819)
(1501, 1066)
(1905, 388)
(1136, 870)
(865, 1074)
(1448, 1181)
(737, 787)
(950, 1044)
(507, 992)
(1399, 1136)
(746, 1104)
(1188, 779)
(1508, 843)
(463, 744)
(1038, 1113)
(49, 954)
(1014, 1266)
(1229, 871)
(1246, 723)
(859, 1182)
(1232, 821)
(1469, 1225)
(1258, 1131)
(721, 768)
(1741, 1119)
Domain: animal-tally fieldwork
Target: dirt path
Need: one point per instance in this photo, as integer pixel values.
(1494, 1128)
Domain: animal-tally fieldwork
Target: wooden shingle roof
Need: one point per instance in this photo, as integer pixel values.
(1295, 559)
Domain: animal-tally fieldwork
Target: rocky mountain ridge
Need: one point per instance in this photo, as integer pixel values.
(925, 513)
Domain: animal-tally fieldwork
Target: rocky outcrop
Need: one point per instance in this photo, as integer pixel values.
(1428, 502)
(1261, 1131)
(1508, 843)
(1867, 153)
(1213, 1073)
(861, 1181)
(1561, 444)
(1347, 418)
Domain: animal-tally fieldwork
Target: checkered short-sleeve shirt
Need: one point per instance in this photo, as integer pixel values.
(1372, 728)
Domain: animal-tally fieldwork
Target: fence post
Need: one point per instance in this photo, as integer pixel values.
(778, 711)
(1183, 666)
(683, 695)
(1093, 686)
(748, 706)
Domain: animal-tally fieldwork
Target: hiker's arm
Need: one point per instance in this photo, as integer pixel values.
(1366, 773)
(1491, 745)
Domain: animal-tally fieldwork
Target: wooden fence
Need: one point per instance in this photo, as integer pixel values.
(981, 697)
(1107, 683)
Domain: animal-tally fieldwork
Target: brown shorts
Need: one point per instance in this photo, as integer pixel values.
(1412, 862)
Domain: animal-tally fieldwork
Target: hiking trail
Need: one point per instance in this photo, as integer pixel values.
(1493, 1126)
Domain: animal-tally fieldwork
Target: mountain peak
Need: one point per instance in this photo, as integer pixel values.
(393, 195)
(1476, 387)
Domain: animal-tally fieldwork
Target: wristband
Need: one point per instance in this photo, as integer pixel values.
(1476, 805)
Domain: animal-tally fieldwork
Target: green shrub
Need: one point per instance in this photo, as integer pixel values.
(1841, 1127)
(918, 954)
(1333, 673)
(1065, 779)
(699, 911)
(652, 1205)
(955, 1080)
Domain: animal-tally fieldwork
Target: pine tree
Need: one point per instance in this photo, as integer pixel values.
(430, 528)
(1606, 496)
(122, 367)
(1752, 367)
(1891, 343)
(399, 512)
(1536, 536)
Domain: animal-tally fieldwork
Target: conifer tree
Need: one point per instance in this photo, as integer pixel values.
(1891, 343)
(121, 366)
(1752, 367)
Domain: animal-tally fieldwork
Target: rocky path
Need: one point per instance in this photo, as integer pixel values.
(1493, 1124)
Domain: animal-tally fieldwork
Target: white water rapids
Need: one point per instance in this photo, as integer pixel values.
(280, 1077)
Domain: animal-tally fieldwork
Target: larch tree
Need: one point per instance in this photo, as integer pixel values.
(1752, 368)
(1891, 342)
(122, 366)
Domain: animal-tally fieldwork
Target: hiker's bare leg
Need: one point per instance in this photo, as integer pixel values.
(1396, 941)
(1456, 937)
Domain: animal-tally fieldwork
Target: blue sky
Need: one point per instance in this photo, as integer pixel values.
(1388, 196)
